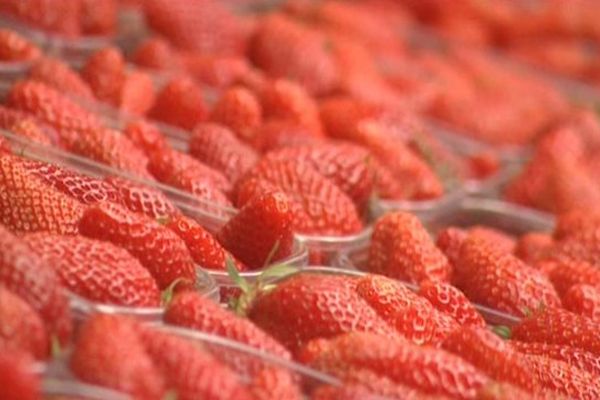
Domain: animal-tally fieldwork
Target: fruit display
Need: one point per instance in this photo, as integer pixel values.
(296, 200)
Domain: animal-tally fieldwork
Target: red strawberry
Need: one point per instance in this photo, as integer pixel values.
(21, 327)
(484, 164)
(349, 392)
(566, 274)
(204, 247)
(14, 47)
(137, 93)
(582, 246)
(99, 17)
(156, 53)
(192, 310)
(413, 316)
(284, 48)
(533, 246)
(326, 210)
(28, 204)
(104, 72)
(427, 369)
(146, 136)
(59, 75)
(54, 16)
(501, 240)
(110, 352)
(181, 103)
(4, 146)
(215, 70)
(557, 326)
(275, 383)
(310, 306)
(31, 130)
(159, 249)
(217, 147)
(262, 232)
(143, 199)
(83, 188)
(97, 271)
(27, 276)
(276, 134)
(401, 248)
(583, 300)
(449, 241)
(449, 300)
(570, 223)
(238, 109)
(189, 370)
(564, 379)
(578, 358)
(499, 280)
(506, 391)
(17, 378)
(492, 355)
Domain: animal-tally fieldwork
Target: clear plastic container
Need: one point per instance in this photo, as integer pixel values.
(11, 71)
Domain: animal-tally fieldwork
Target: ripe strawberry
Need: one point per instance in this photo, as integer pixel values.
(15, 48)
(23, 124)
(501, 240)
(97, 271)
(326, 210)
(192, 310)
(277, 134)
(158, 54)
(4, 146)
(532, 247)
(189, 370)
(112, 148)
(577, 358)
(275, 383)
(28, 204)
(583, 300)
(146, 136)
(413, 316)
(499, 280)
(159, 249)
(217, 147)
(284, 48)
(215, 70)
(402, 249)
(98, 17)
(310, 306)
(449, 241)
(583, 246)
(262, 232)
(110, 352)
(558, 326)
(204, 247)
(238, 109)
(55, 16)
(104, 71)
(31, 130)
(345, 164)
(143, 199)
(27, 276)
(575, 221)
(59, 75)
(181, 103)
(21, 327)
(424, 368)
(83, 188)
(17, 378)
(450, 300)
(137, 93)
(492, 355)
(566, 274)
(282, 99)
(564, 379)
(506, 391)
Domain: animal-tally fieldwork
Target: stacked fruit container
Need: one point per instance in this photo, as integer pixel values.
(281, 200)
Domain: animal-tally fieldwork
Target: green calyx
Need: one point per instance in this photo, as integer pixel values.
(503, 331)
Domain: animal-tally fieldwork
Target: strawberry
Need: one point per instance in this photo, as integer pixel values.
(325, 209)
(17, 379)
(450, 300)
(262, 232)
(99, 17)
(533, 246)
(204, 247)
(345, 164)
(413, 316)
(492, 355)
(557, 326)
(506, 391)
(216, 70)
(238, 109)
(157, 54)
(55, 16)
(497, 279)
(110, 352)
(143, 199)
(29, 205)
(566, 274)
(59, 75)
(583, 300)
(83, 188)
(157, 248)
(577, 358)
(181, 103)
(449, 241)
(570, 223)
(483, 165)
(31, 130)
(137, 93)
(192, 310)
(402, 249)
(21, 326)
(146, 136)
(424, 368)
(282, 99)
(189, 370)
(4, 146)
(310, 306)
(97, 271)
(500, 239)
(276, 134)
(275, 383)
(284, 48)
(217, 147)
(112, 148)
(15, 48)
(564, 379)
(27, 276)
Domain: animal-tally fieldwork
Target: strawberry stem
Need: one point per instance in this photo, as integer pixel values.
(503, 331)
(271, 254)
(167, 294)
